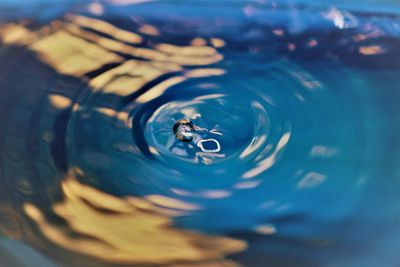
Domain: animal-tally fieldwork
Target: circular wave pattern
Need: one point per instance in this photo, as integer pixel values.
(254, 117)
(286, 150)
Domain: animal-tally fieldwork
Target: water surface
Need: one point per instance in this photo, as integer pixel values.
(294, 159)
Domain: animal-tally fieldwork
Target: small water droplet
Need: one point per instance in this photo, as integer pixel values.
(184, 130)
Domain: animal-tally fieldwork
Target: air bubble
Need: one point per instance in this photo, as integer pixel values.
(184, 130)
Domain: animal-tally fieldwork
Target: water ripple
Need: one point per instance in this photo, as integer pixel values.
(293, 111)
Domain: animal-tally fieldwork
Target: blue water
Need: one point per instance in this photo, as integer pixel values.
(302, 101)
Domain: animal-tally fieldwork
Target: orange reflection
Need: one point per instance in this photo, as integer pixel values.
(371, 50)
(198, 42)
(149, 30)
(127, 230)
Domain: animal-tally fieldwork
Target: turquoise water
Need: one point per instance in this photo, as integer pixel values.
(301, 98)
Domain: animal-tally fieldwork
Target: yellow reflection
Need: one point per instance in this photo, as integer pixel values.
(204, 73)
(121, 116)
(127, 230)
(188, 55)
(71, 49)
(72, 55)
(15, 34)
(105, 27)
(187, 50)
(159, 89)
(60, 101)
(130, 76)
(216, 42)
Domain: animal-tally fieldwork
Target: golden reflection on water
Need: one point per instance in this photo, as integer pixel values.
(160, 88)
(76, 45)
(105, 28)
(127, 230)
(217, 42)
(73, 47)
(72, 55)
(371, 50)
(59, 101)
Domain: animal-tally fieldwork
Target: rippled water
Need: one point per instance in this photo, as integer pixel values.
(293, 156)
